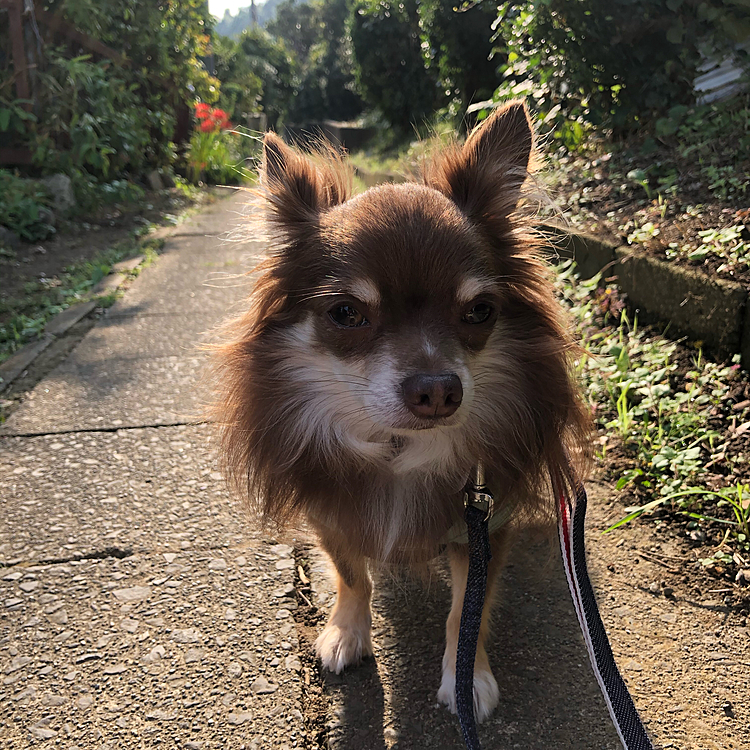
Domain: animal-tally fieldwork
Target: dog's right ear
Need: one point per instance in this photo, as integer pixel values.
(297, 188)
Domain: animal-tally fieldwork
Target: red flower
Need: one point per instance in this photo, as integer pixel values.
(211, 119)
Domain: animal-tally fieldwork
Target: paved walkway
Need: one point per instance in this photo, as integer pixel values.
(138, 609)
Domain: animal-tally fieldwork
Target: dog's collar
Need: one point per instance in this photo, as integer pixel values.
(478, 495)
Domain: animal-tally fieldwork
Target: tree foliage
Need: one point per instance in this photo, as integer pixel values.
(458, 45)
(390, 67)
(270, 61)
(615, 62)
(233, 26)
(241, 83)
(317, 34)
(163, 41)
(110, 119)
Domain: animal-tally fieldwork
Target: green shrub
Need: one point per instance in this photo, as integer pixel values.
(92, 195)
(94, 121)
(613, 62)
(116, 117)
(390, 66)
(241, 86)
(21, 204)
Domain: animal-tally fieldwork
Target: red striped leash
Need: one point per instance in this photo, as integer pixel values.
(571, 516)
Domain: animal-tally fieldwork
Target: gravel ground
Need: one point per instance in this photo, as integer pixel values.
(140, 490)
(137, 609)
(188, 648)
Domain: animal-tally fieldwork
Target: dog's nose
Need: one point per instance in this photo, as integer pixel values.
(432, 396)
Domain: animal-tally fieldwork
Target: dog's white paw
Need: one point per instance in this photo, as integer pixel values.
(486, 693)
(338, 647)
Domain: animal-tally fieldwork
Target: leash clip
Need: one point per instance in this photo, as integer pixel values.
(478, 495)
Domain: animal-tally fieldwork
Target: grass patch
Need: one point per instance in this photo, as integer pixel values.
(665, 415)
(26, 317)
(374, 163)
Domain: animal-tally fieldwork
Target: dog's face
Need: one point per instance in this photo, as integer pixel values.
(396, 301)
(404, 301)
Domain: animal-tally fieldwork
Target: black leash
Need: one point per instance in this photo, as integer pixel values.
(571, 514)
(471, 619)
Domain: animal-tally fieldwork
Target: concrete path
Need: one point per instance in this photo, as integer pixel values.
(138, 609)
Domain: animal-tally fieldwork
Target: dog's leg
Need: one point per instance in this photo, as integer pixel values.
(346, 638)
(486, 693)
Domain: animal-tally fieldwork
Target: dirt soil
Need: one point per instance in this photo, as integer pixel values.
(679, 633)
(591, 194)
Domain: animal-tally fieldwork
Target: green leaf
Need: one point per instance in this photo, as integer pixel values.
(623, 521)
(675, 33)
(623, 360)
(628, 477)
(638, 175)
(4, 119)
(666, 126)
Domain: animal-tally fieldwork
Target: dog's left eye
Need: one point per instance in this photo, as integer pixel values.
(347, 316)
(480, 313)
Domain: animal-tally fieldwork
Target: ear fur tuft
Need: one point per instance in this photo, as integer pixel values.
(485, 176)
(298, 188)
(275, 157)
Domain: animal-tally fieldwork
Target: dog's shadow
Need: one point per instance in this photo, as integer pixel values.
(549, 697)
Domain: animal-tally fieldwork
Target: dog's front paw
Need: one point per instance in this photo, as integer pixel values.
(338, 647)
(486, 692)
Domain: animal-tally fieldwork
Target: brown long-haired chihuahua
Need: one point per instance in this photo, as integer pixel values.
(394, 338)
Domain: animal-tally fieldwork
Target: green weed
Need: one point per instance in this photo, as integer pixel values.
(660, 414)
(26, 318)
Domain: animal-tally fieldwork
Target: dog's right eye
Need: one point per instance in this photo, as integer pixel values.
(480, 313)
(347, 316)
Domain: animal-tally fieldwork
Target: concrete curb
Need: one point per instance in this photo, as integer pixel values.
(712, 311)
(20, 361)
(61, 323)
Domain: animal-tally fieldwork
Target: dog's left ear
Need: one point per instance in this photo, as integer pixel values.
(484, 177)
(297, 188)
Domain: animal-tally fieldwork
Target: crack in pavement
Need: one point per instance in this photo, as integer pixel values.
(105, 554)
(116, 552)
(316, 704)
(114, 428)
